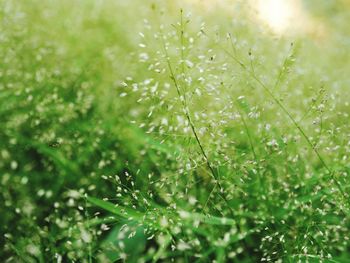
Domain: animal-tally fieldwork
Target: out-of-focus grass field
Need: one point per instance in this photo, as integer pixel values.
(174, 131)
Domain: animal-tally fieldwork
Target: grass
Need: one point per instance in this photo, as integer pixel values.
(179, 134)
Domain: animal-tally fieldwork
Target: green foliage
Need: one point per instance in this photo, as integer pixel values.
(158, 132)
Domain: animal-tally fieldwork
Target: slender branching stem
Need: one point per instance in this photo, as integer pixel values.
(183, 99)
(293, 120)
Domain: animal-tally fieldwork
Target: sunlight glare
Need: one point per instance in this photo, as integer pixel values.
(282, 15)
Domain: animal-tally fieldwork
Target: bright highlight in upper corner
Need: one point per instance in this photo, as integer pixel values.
(281, 15)
(277, 13)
